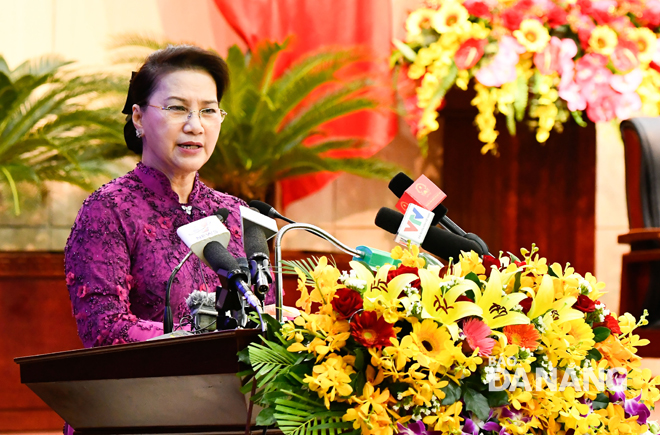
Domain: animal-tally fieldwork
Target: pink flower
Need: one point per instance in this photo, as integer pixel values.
(628, 105)
(70, 278)
(651, 14)
(165, 222)
(477, 336)
(150, 231)
(593, 77)
(603, 108)
(598, 10)
(569, 91)
(628, 82)
(548, 60)
(624, 57)
(502, 69)
(83, 290)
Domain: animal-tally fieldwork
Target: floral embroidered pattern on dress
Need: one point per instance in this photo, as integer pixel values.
(123, 247)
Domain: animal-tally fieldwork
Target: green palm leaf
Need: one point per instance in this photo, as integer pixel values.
(47, 130)
(301, 415)
(270, 361)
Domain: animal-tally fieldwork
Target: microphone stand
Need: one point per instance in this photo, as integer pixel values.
(168, 322)
(279, 302)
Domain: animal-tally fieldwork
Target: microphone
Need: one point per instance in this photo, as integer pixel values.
(196, 235)
(222, 214)
(401, 182)
(437, 241)
(398, 186)
(268, 210)
(255, 228)
(372, 257)
(223, 263)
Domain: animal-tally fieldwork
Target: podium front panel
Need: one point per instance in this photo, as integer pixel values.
(178, 385)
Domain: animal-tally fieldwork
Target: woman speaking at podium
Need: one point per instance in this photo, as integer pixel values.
(123, 245)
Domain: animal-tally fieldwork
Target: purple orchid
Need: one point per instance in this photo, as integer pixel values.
(470, 428)
(473, 425)
(617, 386)
(415, 428)
(589, 402)
(634, 407)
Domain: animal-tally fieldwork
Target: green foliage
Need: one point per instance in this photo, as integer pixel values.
(601, 333)
(303, 415)
(279, 374)
(477, 403)
(57, 125)
(268, 361)
(269, 119)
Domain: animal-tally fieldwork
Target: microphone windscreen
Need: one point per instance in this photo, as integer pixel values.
(255, 241)
(262, 207)
(438, 242)
(389, 220)
(219, 258)
(222, 214)
(400, 183)
(444, 244)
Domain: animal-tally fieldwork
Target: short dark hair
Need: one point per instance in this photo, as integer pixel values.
(165, 61)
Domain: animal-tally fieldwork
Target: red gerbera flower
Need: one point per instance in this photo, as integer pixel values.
(371, 331)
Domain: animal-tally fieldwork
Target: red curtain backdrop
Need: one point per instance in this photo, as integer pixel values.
(312, 25)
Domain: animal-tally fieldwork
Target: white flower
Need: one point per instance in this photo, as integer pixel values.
(584, 284)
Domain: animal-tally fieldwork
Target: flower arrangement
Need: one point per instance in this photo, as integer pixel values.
(479, 346)
(542, 58)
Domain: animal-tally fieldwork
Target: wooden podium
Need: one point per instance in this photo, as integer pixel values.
(170, 386)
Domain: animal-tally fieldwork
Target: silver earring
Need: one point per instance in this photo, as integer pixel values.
(138, 133)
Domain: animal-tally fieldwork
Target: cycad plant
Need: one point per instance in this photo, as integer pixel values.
(263, 138)
(57, 125)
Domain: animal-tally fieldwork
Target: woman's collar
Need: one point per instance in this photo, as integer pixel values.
(158, 182)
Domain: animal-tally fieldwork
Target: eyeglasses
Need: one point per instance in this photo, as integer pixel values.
(208, 115)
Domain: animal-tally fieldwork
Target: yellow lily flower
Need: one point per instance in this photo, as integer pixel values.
(562, 311)
(559, 311)
(380, 295)
(497, 306)
(445, 308)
